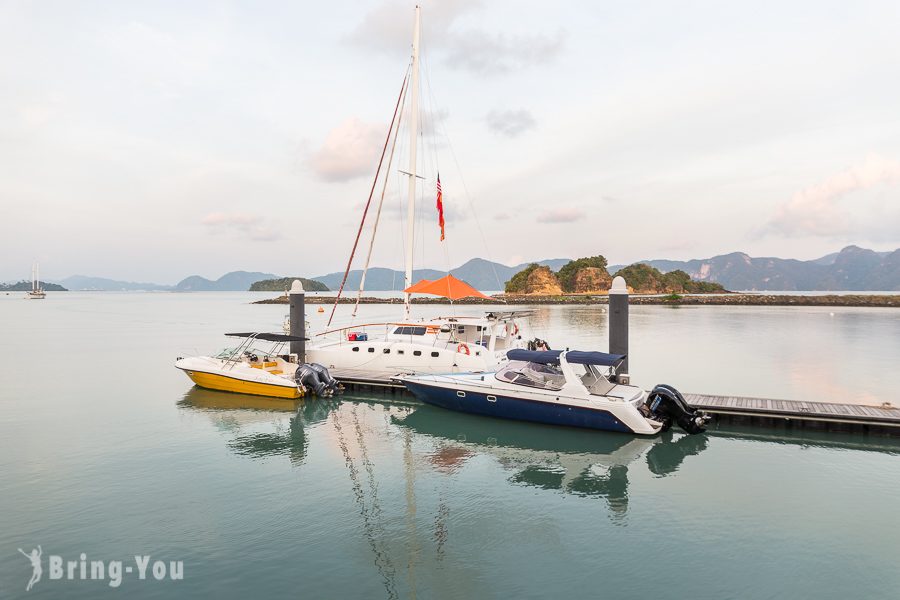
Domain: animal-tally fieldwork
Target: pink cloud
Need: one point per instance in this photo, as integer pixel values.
(250, 226)
(562, 214)
(816, 210)
(350, 150)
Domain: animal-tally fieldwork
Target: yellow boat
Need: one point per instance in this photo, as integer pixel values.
(248, 369)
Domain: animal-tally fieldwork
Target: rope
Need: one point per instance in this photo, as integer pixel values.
(369, 201)
(386, 179)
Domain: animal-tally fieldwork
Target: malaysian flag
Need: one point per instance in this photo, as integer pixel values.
(440, 206)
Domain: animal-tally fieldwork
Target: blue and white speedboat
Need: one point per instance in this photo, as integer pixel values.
(573, 388)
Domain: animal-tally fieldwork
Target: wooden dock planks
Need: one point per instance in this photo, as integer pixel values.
(796, 409)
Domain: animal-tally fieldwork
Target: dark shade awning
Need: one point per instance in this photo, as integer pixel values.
(593, 358)
(551, 357)
(269, 337)
(544, 357)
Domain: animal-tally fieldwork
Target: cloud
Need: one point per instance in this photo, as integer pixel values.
(494, 54)
(350, 150)
(561, 214)
(817, 210)
(510, 123)
(475, 50)
(250, 226)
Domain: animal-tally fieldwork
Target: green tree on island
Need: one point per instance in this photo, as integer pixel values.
(516, 285)
(568, 273)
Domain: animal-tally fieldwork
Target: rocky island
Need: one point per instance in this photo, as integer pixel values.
(587, 281)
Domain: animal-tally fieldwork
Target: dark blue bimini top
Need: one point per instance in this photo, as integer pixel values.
(550, 357)
(594, 358)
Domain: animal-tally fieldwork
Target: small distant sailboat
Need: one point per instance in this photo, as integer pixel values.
(37, 292)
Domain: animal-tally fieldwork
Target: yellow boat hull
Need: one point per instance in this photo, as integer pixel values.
(222, 383)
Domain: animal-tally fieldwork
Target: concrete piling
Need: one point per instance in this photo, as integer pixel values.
(297, 297)
(618, 321)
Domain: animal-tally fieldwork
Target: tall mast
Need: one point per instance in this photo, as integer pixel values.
(413, 138)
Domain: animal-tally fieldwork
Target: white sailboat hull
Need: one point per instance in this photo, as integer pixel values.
(382, 361)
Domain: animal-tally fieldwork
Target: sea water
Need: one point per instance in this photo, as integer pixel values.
(109, 455)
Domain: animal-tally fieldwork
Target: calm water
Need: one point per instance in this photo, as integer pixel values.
(107, 450)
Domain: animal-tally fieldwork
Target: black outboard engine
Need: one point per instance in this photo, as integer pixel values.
(330, 382)
(666, 404)
(317, 378)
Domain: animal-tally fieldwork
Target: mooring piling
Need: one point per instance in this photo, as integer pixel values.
(618, 324)
(298, 319)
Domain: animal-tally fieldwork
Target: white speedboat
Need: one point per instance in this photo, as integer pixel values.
(251, 368)
(37, 291)
(572, 388)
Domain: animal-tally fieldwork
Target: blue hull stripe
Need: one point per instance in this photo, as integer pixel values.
(518, 409)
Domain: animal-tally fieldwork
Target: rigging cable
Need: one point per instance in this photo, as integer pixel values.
(465, 188)
(369, 201)
(386, 178)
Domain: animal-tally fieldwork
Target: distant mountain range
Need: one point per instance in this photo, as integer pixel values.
(853, 268)
(83, 282)
(235, 281)
(480, 273)
(26, 286)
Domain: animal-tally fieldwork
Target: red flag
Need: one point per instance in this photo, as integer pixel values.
(440, 207)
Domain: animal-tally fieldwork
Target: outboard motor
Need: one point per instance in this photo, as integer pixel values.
(317, 378)
(307, 376)
(330, 382)
(666, 404)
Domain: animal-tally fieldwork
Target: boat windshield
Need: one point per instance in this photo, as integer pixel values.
(547, 377)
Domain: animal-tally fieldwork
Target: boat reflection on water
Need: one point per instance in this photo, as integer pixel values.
(250, 420)
(574, 461)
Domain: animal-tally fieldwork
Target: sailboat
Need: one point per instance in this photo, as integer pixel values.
(37, 292)
(378, 353)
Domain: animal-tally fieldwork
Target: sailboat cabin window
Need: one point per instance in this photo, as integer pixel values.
(356, 348)
(410, 331)
(417, 353)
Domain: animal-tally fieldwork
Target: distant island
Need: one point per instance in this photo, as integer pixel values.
(284, 283)
(26, 286)
(590, 276)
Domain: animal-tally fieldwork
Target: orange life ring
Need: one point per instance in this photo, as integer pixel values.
(463, 348)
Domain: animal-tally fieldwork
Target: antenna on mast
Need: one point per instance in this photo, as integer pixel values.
(413, 138)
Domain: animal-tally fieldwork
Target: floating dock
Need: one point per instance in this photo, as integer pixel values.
(762, 412)
(795, 413)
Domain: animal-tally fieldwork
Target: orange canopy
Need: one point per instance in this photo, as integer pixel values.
(418, 286)
(448, 287)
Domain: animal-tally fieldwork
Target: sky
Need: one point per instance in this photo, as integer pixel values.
(149, 141)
